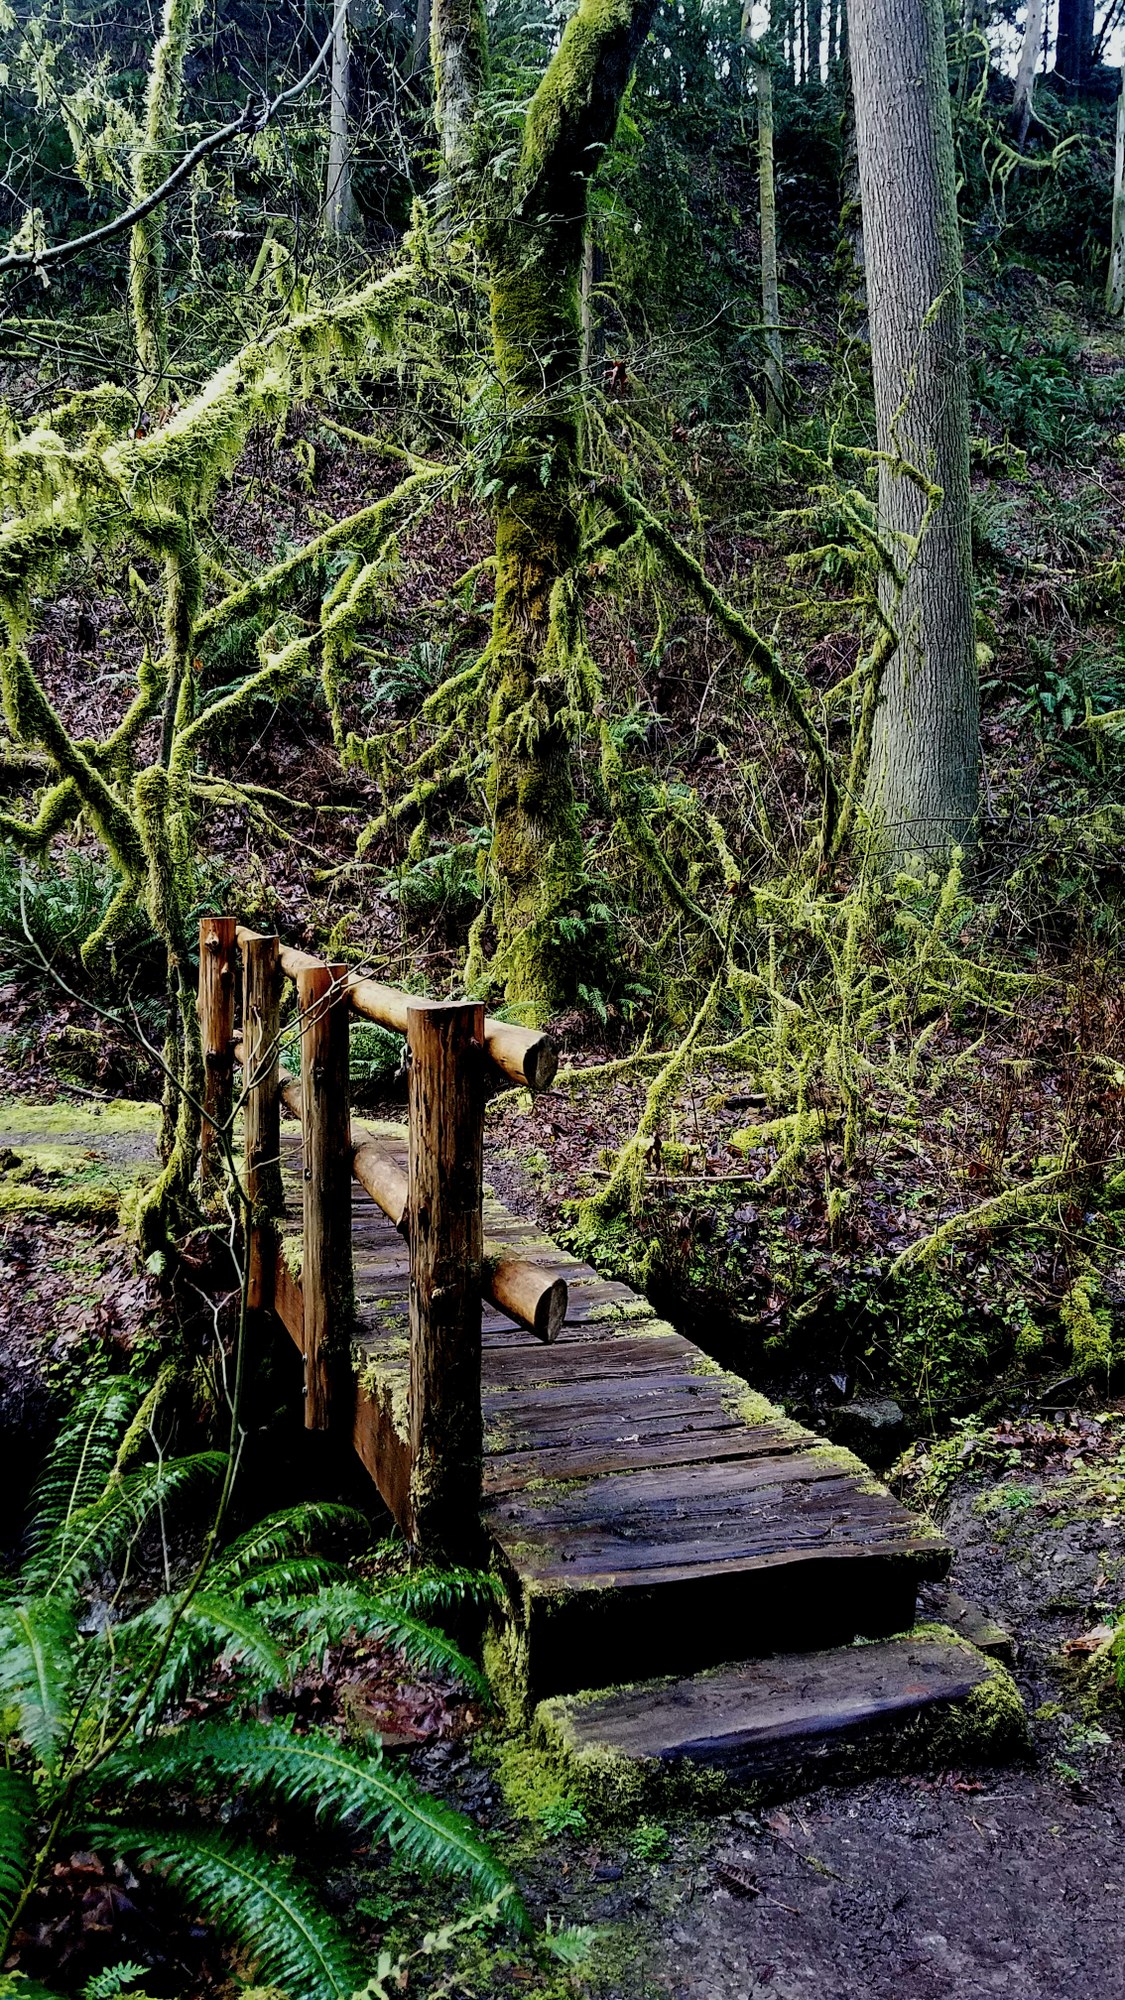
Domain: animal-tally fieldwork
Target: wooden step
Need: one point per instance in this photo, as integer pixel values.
(790, 1722)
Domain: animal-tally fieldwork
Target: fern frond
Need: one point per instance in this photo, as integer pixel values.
(283, 1585)
(38, 1649)
(211, 1627)
(17, 1841)
(285, 1534)
(82, 1458)
(252, 1901)
(344, 1607)
(88, 1538)
(316, 1772)
(423, 1592)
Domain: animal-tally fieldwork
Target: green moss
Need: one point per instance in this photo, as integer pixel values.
(1088, 1324)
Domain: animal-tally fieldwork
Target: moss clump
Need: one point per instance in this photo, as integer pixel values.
(1088, 1325)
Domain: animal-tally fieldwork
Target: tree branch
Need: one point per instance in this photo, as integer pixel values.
(255, 115)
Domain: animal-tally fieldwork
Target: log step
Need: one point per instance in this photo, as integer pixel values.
(790, 1722)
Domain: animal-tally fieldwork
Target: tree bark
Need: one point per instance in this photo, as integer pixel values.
(767, 217)
(1115, 282)
(922, 786)
(339, 212)
(1074, 44)
(1025, 74)
(534, 250)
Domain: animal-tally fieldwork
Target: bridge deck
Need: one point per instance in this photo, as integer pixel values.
(650, 1513)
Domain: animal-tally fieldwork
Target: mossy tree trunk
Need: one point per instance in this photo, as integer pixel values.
(153, 162)
(533, 242)
(922, 785)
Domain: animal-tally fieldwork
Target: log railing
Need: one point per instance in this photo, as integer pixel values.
(436, 1204)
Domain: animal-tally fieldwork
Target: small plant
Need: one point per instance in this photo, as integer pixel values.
(98, 1752)
(114, 1981)
(374, 1060)
(649, 1841)
(562, 1816)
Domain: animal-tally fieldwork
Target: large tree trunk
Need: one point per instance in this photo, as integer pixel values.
(1115, 282)
(535, 254)
(1025, 73)
(767, 217)
(922, 787)
(339, 213)
(1074, 46)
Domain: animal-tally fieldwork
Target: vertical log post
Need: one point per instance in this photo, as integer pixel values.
(326, 1265)
(218, 947)
(261, 985)
(446, 1087)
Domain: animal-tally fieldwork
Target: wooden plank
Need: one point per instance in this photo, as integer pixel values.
(729, 1717)
(288, 1302)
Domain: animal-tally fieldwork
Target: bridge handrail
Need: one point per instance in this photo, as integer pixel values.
(526, 1055)
(437, 1204)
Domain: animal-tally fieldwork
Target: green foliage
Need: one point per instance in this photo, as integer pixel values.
(444, 884)
(115, 1980)
(374, 1060)
(649, 1841)
(562, 1815)
(1036, 391)
(90, 1706)
(61, 904)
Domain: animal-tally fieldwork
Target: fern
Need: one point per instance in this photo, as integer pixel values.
(332, 1780)
(17, 1830)
(281, 1536)
(38, 1649)
(86, 1708)
(89, 1537)
(341, 1608)
(83, 1457)
(253, 1903)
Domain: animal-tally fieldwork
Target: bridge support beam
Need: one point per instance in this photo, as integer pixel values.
(445, 1229)
(218, 954)
(326, 1268)
(261, 993)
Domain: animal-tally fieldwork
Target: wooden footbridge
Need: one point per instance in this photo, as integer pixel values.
(649, 1514)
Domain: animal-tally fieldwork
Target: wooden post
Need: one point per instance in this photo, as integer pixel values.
(217, 971)
(261, 984)
(326, 1265)
(446, 1090)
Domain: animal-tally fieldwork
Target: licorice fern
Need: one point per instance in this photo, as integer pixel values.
(89, 1708)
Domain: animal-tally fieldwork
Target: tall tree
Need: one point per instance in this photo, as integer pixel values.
(922, 785)
(1025, 73)
(1115, 281)
(338, 207)
(1074, 44)
(532, 237)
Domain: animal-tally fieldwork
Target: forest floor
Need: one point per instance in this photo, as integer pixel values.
(967, 1883)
